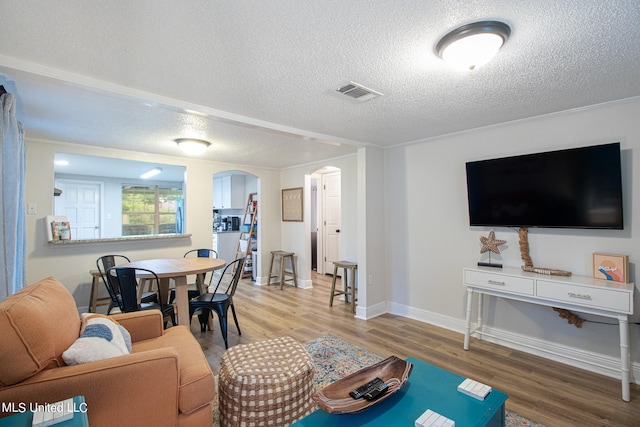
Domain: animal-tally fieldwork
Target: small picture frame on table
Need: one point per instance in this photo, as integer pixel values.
(611, 267)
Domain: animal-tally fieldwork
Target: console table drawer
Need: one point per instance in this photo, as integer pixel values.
(518, 285)
(585, 296)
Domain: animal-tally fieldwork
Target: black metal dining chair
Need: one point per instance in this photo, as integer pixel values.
(192, 288)
(219, 301)
(127, 280)
(106, 262)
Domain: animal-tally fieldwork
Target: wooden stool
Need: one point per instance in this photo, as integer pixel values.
(283, 271)
(94, 301)
(349, 290)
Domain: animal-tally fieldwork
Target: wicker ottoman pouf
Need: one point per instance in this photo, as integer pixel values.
(267, 383)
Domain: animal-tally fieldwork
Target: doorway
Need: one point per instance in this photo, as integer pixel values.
(235, 206)
(326, 218)
(80, 202)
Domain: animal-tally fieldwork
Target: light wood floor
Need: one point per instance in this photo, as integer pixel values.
(551, 393)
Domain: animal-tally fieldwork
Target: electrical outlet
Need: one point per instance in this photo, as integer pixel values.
(32, 208)
(370, 281)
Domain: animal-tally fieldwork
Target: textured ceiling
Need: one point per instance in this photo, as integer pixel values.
(258, 79)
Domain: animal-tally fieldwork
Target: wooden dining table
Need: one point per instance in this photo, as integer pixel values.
(178, 269)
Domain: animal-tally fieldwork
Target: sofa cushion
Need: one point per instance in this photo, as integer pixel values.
(100, 338)
(197, 384)
(31, 340)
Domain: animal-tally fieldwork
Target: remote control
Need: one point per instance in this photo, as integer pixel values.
(376, 392)
(360, 391)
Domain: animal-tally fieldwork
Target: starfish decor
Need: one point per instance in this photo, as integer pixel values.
(490, 243)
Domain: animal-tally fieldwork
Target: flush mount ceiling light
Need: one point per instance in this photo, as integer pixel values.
(191, 146)
(473, 45)
(152, 172)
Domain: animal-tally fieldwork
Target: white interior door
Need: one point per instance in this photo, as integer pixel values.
(80, 203)
(332, 219)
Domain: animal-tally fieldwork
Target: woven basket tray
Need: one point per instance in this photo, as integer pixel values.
(335, 398)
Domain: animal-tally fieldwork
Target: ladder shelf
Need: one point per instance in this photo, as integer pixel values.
(248, 232)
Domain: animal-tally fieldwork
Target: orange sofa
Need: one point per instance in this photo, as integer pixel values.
(165, 381)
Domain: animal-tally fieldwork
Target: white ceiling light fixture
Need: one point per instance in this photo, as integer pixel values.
(473, 45)
(191, 146)
(152, 172)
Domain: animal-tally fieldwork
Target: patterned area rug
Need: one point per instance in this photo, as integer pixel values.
(335, 358)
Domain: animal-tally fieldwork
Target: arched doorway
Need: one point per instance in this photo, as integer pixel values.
(232, 190)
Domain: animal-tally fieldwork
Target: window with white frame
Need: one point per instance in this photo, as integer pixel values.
(149, 209)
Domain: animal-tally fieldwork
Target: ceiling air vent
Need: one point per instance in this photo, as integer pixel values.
(358, 92)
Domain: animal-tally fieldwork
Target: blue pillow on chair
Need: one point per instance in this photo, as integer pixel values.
(100, 338)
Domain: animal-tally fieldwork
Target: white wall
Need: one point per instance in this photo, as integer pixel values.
(372, 225)
(431, 240)
(71, 263)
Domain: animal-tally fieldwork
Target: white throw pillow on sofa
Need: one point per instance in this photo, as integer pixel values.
(100, 338)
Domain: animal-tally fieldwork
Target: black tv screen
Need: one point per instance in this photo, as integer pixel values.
(573, 188)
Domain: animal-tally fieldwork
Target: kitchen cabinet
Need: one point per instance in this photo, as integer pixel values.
(229, 192)
(225, 244)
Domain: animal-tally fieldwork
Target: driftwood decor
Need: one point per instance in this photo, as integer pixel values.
(523, 234)
(549, 271)
(573, 319)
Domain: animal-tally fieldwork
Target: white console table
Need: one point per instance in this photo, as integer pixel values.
(575, 293)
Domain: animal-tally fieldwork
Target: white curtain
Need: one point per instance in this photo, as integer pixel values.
(12, 205)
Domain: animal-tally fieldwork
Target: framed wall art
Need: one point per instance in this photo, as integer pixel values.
(611, 267)
(292, 204)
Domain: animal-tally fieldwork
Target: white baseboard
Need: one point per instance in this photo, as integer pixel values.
(305, 284)
(367, 313)
(589, 361)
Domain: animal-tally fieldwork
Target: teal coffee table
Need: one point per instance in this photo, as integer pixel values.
(428, 387)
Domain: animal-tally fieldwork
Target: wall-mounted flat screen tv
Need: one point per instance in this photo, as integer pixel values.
(573, 188)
